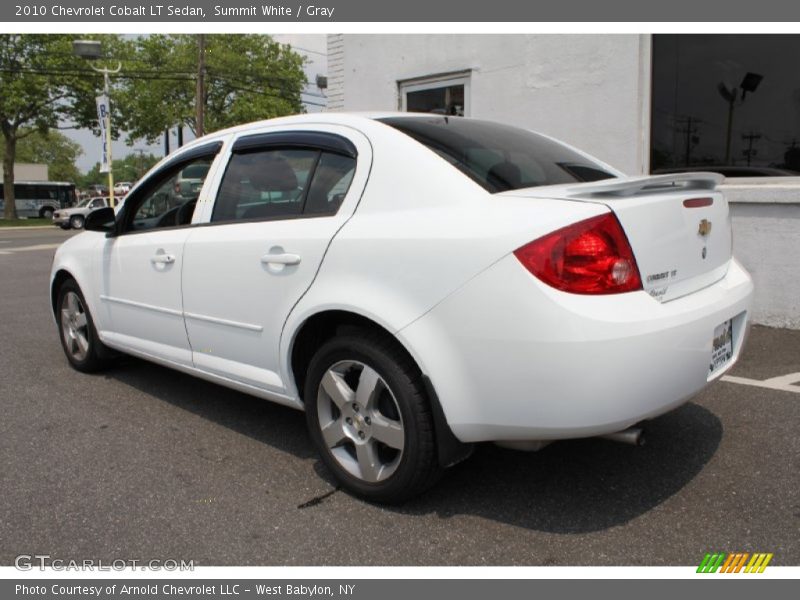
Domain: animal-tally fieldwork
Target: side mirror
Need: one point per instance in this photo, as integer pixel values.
(102, 219)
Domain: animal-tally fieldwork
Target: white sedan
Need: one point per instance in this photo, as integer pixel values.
(416, 284)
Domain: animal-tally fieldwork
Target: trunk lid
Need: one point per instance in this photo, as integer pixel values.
(678, 226)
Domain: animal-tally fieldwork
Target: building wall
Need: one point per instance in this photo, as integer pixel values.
(30, 172)
(583, 89)
(765, 240)
(592, 91)
(335, 90)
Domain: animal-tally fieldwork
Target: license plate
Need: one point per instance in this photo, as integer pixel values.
(721, 346)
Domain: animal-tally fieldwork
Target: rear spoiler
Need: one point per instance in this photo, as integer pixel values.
(632, 186)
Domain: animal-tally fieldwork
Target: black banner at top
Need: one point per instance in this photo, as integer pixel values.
(266, 11)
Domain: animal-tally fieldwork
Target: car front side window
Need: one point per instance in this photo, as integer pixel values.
(170, 199)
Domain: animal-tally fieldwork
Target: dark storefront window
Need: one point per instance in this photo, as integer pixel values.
(440, 94)
(447, 100)
(726, 103)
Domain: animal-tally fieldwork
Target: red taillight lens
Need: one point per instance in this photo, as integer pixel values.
(589, 257)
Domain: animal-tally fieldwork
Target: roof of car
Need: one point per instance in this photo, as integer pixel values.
(328, 118)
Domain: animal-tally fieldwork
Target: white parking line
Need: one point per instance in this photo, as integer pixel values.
(29, 248)
(784, 383)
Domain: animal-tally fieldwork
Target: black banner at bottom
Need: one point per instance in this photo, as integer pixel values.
(389, 589)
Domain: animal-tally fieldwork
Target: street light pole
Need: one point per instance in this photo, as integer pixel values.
(91, 50)
(106, 92)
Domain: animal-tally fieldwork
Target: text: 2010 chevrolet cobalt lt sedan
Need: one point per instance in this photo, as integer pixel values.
(416, 284)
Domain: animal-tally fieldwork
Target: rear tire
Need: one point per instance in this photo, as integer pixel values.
(369, 417)
(46, 213)
(82, 347)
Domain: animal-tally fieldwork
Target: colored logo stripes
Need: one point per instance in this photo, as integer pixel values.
(734, 562)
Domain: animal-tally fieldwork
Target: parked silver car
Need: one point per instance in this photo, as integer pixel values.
(75, 217)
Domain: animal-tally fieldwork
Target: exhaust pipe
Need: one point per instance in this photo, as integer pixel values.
(632, 435)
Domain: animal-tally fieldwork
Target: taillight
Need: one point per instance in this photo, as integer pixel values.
(589, 257)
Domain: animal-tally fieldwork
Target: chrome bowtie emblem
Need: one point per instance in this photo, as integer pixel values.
(704, 228)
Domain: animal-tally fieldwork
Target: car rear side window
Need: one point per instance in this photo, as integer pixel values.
(331, 181)
(274, 183)
(265, 184)
(499, 157)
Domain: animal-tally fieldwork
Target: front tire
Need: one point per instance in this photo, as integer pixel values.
(369, 417)
(76, 222)
(46, 213)
(82, 347)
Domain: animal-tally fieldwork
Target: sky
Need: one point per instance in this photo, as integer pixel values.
(312, 46)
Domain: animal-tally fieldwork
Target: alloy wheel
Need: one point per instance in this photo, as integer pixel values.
(74, 326)
(360, 421)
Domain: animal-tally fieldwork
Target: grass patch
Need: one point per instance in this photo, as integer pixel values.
(25, 222)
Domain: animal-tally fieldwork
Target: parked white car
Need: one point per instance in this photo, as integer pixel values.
(416, 284)
(75, 217)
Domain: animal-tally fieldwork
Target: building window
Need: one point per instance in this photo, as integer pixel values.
(726, 103)
(443, 95)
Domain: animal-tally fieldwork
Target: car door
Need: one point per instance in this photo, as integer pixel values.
(282, 198)
(140, 274)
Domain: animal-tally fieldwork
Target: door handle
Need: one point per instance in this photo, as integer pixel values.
(163, 259)
(281, 259)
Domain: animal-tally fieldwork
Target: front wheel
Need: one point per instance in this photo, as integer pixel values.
(368, 415)
(46, 213)
(76, 222)
(83, 348)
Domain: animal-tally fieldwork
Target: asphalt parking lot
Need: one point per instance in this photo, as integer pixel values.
(145, 463)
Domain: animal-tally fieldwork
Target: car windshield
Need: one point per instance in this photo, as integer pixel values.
(499, 157)
(84, 203)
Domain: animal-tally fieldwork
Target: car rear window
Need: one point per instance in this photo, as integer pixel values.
(196, 171)
(499, 157)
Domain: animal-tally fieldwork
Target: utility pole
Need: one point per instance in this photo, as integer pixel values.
(200, 94)
(139, 163)
(731, 106)
(690, 130)
(750, 138)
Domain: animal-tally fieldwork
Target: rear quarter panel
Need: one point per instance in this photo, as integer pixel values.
(421, 230)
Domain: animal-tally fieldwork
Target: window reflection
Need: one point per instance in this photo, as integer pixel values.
(726, 103)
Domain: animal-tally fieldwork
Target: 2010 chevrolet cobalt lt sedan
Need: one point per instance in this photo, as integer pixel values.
(416, 284)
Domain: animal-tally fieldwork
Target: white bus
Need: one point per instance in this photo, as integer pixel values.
(40, 198)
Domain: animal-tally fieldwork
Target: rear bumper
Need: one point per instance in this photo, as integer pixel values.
(512, 359)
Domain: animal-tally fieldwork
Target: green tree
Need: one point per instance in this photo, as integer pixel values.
(53, 149)
(247, 77)
(131, 168)
(42, 86)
